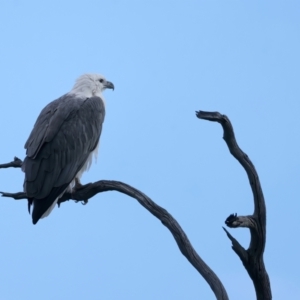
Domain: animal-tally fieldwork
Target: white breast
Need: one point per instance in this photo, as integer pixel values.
(88, 163)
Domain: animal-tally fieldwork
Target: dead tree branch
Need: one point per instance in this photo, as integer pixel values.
(88, 191)
(252, 258)
(16, 163)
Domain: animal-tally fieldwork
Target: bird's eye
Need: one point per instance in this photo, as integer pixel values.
(101, 80)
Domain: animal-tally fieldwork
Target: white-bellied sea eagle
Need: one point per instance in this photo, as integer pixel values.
(62, 144)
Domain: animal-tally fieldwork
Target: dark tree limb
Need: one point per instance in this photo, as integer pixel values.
(252, 258)
(16, 163)
(88, 191)
(16, 196)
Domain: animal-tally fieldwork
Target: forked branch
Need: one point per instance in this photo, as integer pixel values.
(252, 258)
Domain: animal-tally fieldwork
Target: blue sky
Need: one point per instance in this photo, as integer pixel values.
(166, 59)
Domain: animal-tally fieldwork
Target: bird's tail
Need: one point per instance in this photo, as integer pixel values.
(43, 207)
(39, 209)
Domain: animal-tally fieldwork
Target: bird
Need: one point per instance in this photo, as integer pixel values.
(63, 143)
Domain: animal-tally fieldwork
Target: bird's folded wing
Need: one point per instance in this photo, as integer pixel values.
(64, 135)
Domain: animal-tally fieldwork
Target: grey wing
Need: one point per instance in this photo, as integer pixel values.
(64, 135)
(49, 121)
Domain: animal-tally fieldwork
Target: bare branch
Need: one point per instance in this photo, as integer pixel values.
(238, 249)
(88, 191)
(252, 258)
(16, 163)
(234, 221)
(16, 196)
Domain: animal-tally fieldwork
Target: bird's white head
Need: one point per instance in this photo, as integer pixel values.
(88, 85)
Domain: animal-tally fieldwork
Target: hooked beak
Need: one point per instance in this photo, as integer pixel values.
(109, 85)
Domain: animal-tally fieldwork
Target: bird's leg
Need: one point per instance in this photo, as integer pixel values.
(78, 184)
